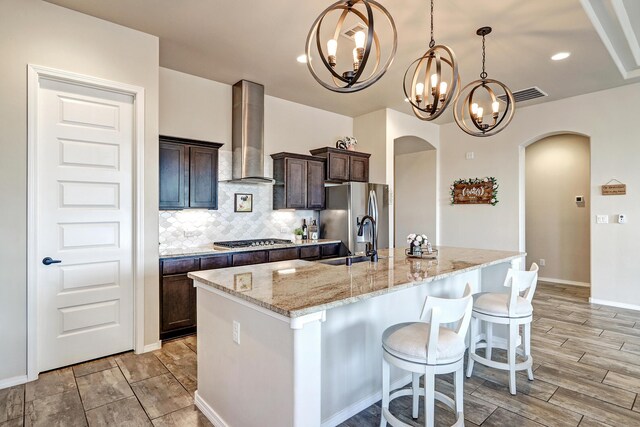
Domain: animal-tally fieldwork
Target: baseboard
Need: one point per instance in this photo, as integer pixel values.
(614, 304)
(208, 412)
(10, 382)
(152, 347)
(362, 404)
(564, 282)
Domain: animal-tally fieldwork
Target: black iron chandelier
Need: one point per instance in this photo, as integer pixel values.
(470, 113)
(356, 76)
(434, 80)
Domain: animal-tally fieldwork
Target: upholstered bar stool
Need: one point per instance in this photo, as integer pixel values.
(428, 348)
(513, 309)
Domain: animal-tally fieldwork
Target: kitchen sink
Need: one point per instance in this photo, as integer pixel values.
(343, 260)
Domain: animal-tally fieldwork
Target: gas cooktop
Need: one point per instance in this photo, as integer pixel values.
(252, 243)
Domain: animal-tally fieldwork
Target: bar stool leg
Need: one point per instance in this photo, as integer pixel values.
(513, 342)
(385, 391)
(429, 397)
(459, 390)
(415, 386)
(527, 347)
(489, 350)
(473, 333)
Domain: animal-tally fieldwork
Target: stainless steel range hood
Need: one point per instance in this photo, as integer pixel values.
(247, 138)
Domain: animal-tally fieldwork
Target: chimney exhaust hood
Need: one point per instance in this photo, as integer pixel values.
(247, 137)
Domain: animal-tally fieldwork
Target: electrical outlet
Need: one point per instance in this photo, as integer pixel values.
(236, 332)
(470, 155)
(622, 219)
(284, 230)
(602, 219)
(190, 233)
(543, 262)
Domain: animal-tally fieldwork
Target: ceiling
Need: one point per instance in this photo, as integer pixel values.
(259, 40)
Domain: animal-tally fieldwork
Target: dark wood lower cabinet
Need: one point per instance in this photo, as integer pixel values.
(248, 258)
(177, 306)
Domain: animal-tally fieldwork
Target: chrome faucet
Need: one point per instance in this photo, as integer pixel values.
(373, 253)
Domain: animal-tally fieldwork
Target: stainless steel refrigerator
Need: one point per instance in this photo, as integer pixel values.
(346, 204)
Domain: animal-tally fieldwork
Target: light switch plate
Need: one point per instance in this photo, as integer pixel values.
(602, 219)
(470, 155)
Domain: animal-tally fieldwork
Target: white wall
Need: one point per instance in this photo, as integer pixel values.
(609, 118)
(193, 107)
(557, 228)
(370, 130)
(36, 32)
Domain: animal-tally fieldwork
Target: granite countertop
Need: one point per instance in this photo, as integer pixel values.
(213, 249)
(296, 288)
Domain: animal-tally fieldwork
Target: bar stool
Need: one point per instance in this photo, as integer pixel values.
(512, 309)
(428, 348)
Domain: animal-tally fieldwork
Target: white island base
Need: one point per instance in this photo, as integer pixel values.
(316, 369)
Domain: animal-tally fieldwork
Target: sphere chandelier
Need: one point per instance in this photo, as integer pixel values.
(470, 114)
(356, 77)
(434, 81)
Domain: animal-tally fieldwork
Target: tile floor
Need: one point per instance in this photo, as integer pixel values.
(586, 360)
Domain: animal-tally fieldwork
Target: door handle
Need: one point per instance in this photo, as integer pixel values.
(48, 261)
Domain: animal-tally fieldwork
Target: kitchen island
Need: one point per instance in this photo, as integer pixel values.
(298, 343)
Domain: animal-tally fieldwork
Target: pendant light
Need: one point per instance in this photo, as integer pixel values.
(470, 114)
(434, 81)
(355, 76)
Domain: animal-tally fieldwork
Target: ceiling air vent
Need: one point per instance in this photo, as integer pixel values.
(526, 94)
(349, 32)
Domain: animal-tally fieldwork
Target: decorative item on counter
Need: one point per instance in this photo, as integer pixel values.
(347, 143)
(243, 202)
(474, 191)
(298, 234)
(419, 247)
(313, 230)
(305, 230)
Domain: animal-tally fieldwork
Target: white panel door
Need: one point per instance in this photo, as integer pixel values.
(84, 220)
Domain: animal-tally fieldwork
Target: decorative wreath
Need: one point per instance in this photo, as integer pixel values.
(471, 181)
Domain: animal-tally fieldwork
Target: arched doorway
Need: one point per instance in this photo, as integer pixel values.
(556, 209)
(415, 189)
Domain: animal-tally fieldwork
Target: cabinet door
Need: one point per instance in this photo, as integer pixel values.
(315, 185)
(359, 169)
(338, 167)
(331, 250)
(283, 254)
(296, 183)
(174, 184)
(203, 172)
(178, 303)
(249, 258)
(310, 252)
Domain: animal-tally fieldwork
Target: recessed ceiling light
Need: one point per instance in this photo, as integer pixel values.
(302, 59)
(560, 56)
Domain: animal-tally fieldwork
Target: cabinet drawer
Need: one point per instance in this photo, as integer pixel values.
(283, 254)
(248, 258)
(331, 250)
(178, 266)
(309, 252)
(218, 261)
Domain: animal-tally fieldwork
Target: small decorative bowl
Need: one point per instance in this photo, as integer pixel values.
(412, 253)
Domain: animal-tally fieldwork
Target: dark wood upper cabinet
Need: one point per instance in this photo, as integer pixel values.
(174, 161)
(299, 181)
(344, 166)
(188, 173)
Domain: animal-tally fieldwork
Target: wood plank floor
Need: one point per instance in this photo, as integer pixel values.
(586, 360)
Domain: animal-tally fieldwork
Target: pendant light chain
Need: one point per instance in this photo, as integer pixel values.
(432, 42)
(483, 75)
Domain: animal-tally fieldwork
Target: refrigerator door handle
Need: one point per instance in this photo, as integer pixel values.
(373, 212)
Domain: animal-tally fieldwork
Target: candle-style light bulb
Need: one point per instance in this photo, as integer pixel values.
(495, 106)
(356, 60)
(443, 88)
(474, 108)
(359, 37)
(434, 80)
(480, 114)
(332, 48)
(419, 92)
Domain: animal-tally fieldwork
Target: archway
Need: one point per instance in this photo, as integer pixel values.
(415, 189)
(555, 198)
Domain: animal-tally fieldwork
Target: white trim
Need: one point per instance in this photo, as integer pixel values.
(152, 347)
(362, 404)
(208, 411)
(13, 381)
(614, 304)
(564, 282)
(35, 73)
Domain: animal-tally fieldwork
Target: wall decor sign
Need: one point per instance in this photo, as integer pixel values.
(474, 191)
(610, 189)
(243, 202)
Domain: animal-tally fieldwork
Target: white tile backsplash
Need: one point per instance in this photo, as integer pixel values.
(199, 227)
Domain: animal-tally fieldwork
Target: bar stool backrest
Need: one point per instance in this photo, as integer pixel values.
(519, 282)
(437, 311)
